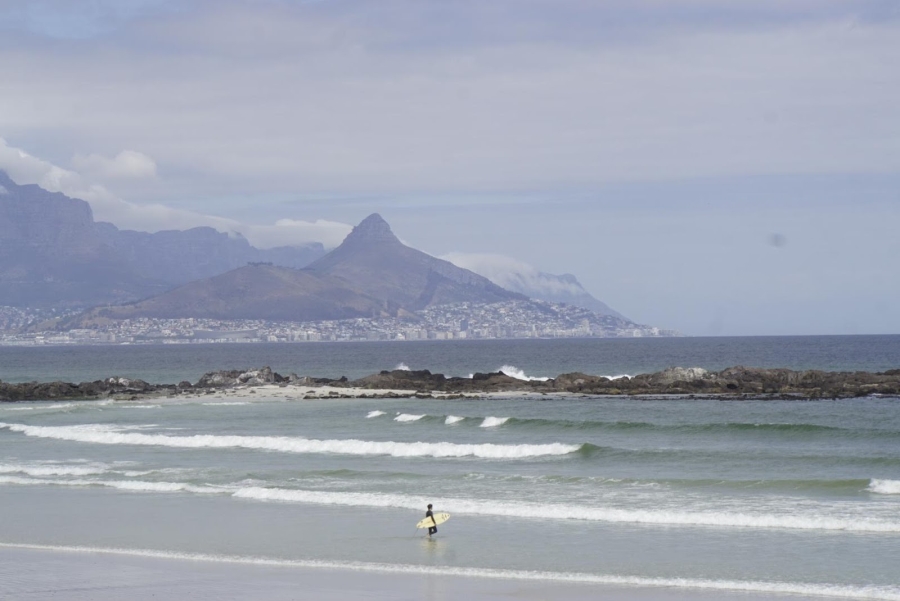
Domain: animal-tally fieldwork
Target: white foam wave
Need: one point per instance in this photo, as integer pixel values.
(41, 407)
(128, 485)
(875, 593)
(375, 413)
(402, 367)
(618, 377)
(885, 487)
(407, 417)
(141, 406)
(545, 511)
(514, 372)
(225, 404)
(100, 434)
(453, 419)
(493, 422)
(52, 469)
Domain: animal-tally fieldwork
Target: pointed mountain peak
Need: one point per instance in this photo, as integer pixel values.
(371, 229)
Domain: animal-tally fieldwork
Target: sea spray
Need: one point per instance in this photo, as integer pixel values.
(514, 372)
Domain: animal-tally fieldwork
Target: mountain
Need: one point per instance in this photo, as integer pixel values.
(259, 291)
(523, 278)
(372, 259)
(370, 274)
(179, 256)
(53, 253)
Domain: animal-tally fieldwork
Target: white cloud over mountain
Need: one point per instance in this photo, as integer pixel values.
(519, 276)
(513, 274)
(25, 168)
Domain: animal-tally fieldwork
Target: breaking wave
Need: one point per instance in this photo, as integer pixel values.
(374, 414)
(408, 417)
(453, 419)
(885, 487)
(100, 434)
(493, 422)
(402, 367)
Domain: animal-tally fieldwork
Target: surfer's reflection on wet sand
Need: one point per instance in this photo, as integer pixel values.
(436, 552)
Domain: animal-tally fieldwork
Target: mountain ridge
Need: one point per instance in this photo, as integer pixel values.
(370, 274)
(53, 253)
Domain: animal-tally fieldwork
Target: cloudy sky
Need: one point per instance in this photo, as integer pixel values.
(713, 167)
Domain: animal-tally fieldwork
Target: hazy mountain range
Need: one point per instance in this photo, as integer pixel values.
(53, 254)
(371, 274)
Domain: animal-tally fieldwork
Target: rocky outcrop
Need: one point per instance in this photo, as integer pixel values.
(230, 379)
(110, 387)
(732, 383)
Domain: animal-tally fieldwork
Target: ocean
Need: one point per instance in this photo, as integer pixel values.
(775, 497)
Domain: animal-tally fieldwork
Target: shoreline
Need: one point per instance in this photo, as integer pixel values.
(100, 573)
(734, 383)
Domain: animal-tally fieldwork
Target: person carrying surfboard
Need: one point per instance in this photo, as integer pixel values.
(430, 514)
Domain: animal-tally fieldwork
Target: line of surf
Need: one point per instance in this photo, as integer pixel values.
(495, 508)
(544, 511)
(128, 485)
(98, 434)
(791, 429)
(875, 593)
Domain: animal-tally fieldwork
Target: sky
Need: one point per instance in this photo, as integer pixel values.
(718, 168)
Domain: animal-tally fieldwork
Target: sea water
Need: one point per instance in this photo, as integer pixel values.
(794, 497)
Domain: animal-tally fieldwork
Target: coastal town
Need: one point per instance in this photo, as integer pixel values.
(511, 319)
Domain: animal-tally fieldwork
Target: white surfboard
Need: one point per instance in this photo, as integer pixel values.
(439, 518)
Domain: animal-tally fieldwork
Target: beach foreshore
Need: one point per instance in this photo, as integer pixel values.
(82, 574)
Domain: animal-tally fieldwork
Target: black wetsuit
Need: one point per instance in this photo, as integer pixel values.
(431, 529)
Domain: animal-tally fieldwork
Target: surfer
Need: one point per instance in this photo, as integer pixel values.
(430, 514)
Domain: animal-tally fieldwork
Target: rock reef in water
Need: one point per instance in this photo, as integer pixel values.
(731, 383)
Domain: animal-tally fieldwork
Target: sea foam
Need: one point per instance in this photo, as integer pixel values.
(100, 434)
(53, 469)
(374, 414)
(552, 511)
(453, 419)
(493, 422)
(128, 485)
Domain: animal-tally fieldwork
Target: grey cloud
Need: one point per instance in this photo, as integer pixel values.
(320, 102)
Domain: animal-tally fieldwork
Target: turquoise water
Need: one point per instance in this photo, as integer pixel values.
(798, 497)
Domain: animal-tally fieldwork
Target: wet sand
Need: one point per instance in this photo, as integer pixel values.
(78, 574)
